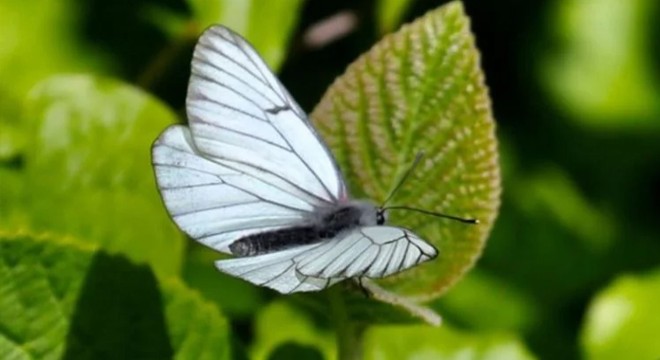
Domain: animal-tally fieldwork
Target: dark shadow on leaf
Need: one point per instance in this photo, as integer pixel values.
(291, 350)
(119, 314)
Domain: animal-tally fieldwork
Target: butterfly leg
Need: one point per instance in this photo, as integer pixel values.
(364, 290)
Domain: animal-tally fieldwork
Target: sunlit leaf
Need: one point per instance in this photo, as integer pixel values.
(87, 169)
(424, 342)
(421, 89)
(13, 186)
(60, 299)
(11, 140)
(390, 12)
(623, 321)
(38, 39)
(602, 71)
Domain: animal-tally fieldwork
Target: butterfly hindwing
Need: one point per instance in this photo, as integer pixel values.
(374, 252)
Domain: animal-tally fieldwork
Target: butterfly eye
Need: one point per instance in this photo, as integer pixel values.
(380, 218)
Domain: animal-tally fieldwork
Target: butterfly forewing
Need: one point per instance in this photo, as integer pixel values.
(241, 116)
(215, 204)
(250, 162)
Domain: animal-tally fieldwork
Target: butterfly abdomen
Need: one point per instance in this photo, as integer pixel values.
(271, 241)
(327, 226)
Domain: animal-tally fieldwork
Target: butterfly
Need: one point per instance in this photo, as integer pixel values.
(251, 177)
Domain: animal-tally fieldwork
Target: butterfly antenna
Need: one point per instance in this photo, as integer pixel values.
(436, 214)
(403, 179)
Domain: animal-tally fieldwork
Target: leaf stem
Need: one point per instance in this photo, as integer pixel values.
(349, 334)
(421, 312)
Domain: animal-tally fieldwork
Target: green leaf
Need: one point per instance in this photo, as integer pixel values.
(61, 299)
(11, 140)
(623, 321)
(236, 297)
(424, 342)
(173, 24)
(602, 72)
(279, 323)
(12, 184)
(266, 24)
(360, 309)
(421, 89)
(292, 350)
(551, 193)
(87, 169)
(390, 12)
(484, 302)
(39, 39)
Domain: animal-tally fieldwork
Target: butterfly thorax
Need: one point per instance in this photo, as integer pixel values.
(323, 224)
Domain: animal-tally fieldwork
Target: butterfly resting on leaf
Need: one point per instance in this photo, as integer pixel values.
(250, 176)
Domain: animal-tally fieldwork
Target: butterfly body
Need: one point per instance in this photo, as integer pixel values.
(323, 224)
(250, 176)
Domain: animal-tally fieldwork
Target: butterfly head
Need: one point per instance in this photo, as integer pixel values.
(367, 213)
(381, 216)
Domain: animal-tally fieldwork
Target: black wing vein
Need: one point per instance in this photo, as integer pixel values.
(241, 47)
(226, 106)
(215, 66)
(219, 52)
(278, 275)
(238, 93)
(242, 134)
(325, 187)
(217, 207)
(294, 185)
(264, 199)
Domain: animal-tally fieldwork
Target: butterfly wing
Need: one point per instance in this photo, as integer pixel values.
(241, 115)
(375, 252)
(276, 270)
(250, 162)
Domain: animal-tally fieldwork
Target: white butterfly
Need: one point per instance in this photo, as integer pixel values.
(251, 177)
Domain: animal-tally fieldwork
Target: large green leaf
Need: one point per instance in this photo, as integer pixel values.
(623, 320)
(423, 342)
(87, 169)
(38, 39)
(61, 299)
(421, 89)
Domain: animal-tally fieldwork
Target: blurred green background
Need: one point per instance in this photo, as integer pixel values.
(572, 268)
